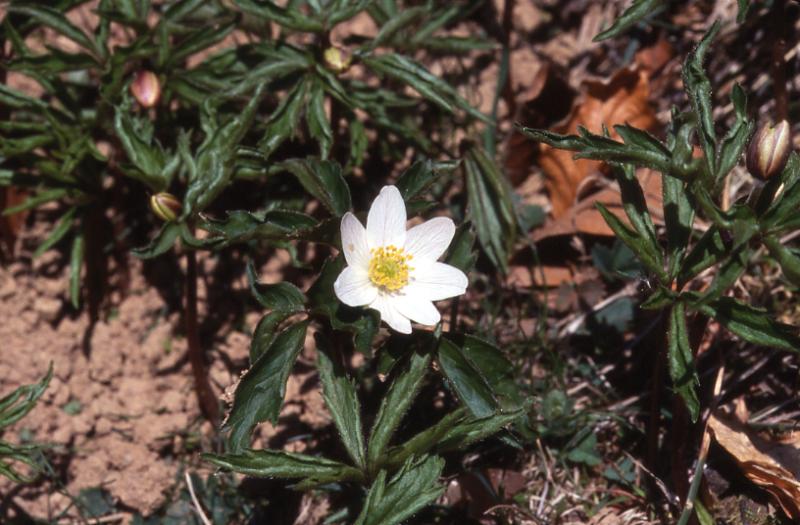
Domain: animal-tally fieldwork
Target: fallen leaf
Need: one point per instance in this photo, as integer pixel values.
(773, 465)
(622, 100)
(583, 217)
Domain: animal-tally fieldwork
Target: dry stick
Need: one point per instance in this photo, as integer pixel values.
(205, 395)
(197, 508)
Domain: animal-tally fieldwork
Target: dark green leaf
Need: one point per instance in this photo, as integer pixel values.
(286, 17)
(638, 10)
(751, 324)
(279, 464)
(318, 124)
(395, 404)
(279, 296)
(789, 261)
(61, 229)
(148, 158)
(265, 332)
(161, 243)
(635, 206)
(708, 251)
(415, 486)
(734, 142)
(491, 206)
(643, 249)
(58, 22)
(341, 399)
(285, 120)
(495, 368)
(242, 226)
(418, 177)
(75, 264)
(395, 24)
(323, 179)
(678, 219)
(461, 253)
(36, 200)
(744, 7)
(681, 361)
(466, 379)
(17, 404)
(698, 87)
(259, 395)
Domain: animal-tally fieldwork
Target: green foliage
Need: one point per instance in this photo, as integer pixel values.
(13, 407)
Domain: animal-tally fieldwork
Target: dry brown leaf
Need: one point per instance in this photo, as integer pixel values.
(774, 466)
(584, 218)
(622, 100)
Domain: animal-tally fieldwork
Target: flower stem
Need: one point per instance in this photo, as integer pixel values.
(209, 405)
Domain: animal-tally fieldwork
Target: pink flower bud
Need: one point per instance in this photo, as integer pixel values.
(769, 150)
(146, 88)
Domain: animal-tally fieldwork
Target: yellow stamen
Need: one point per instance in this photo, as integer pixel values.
(388, 267)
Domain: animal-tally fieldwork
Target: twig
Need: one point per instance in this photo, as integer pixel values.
(195, 502)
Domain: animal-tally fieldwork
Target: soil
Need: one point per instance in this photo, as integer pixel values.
(120, 412)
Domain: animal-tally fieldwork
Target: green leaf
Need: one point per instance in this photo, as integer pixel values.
(415, 486)
(55, 20)
(491, 206)
(61, 229)
(681, 361)
(279, 464)
(274, 225)
(35, 200)
(161, 243)
(642, 150)
(417, 178)
(318, 124)
(785, 205)
(75, 264)
(395, 404)
(641, 247)
(266, 331)
(728, 273)
(279, 296)
(214, 166)
(708, 251)
(495, 368)
(744, 7)
(11, 98)
(286, 17)
(395, 24)
(259, 395)
(362, 323)
(423, 81)
(461, 252)
(678, 219)
(638, 10)
(635, 205)
(789, 261)
(341, 399)
(17, 404)
(285, 120)
(734, 142)
(698, 87)
(324, 180)
(468, 382)
(751, 324)
(149, 159)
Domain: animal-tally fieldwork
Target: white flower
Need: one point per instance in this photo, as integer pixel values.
(393, 270)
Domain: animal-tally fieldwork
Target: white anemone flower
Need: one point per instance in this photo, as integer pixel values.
(395, 271)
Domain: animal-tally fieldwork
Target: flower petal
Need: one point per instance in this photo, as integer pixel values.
(385, 304)
(354, 288)
(354, 241)
(436, 281)
(386, 221)
(418, 310)
(429, 240)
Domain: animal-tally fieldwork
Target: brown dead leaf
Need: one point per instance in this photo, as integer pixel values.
(773, 465)
(583, 217)
(622, 100)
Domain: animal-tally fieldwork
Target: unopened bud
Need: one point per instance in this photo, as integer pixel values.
(769, 150)
(337, 60)
(166, 206)
(146, 89)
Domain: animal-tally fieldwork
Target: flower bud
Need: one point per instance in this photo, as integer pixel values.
(769, 150)
(166, 206)
(145, 88)
(337, 60)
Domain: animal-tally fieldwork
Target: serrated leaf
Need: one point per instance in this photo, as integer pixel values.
(324, 180)
(318, 124)
(635, 206)
(415, 486)
(161, 243)
(148, 158)
(491, 206)
(678, 218)
(698, 87)
(395, 404)
(751, 324)
(643, 249)
(734, 142)
(681, 360)
(274, 225)
(279, 464)
(638, 10)
(259, 395)
(278, 296)
(284, 121)
(341, 399)
(467, 380)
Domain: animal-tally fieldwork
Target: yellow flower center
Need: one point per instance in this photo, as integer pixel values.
(388, 267)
